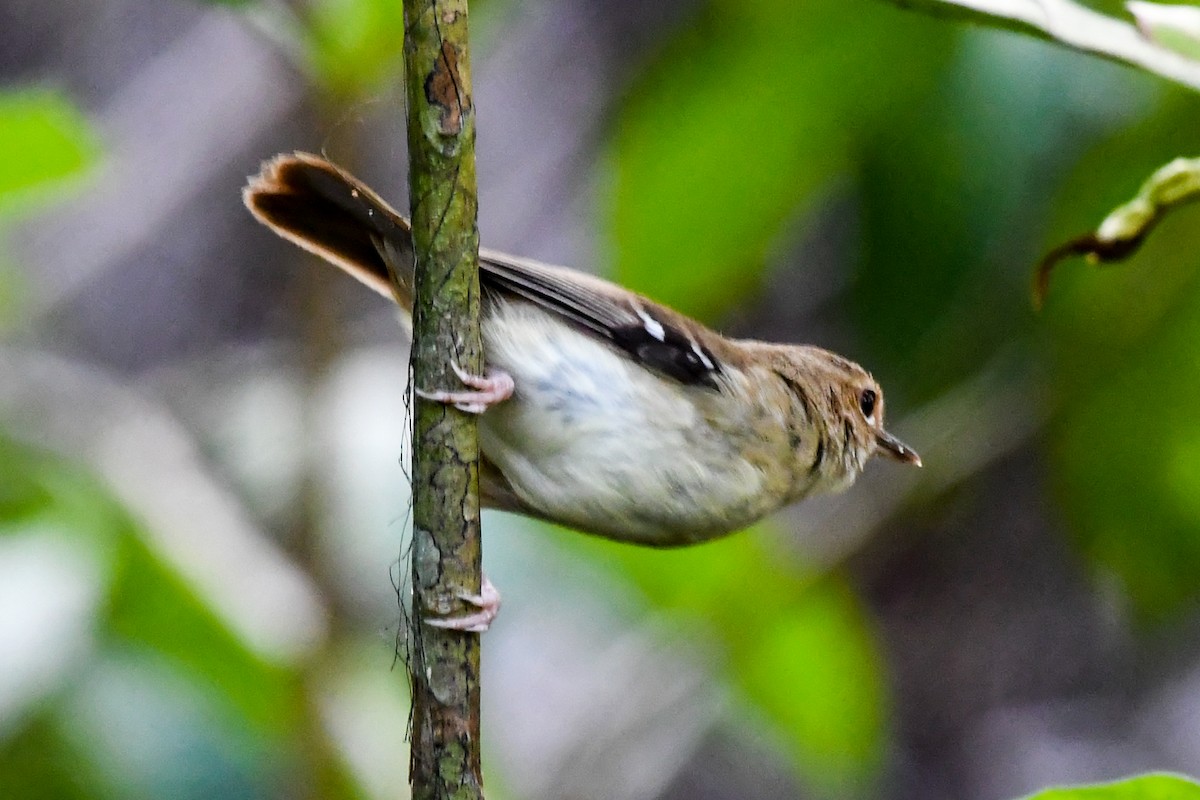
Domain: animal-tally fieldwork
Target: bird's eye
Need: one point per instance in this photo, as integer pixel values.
(866, 401)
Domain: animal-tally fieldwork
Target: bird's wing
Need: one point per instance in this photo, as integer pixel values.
(653, 335)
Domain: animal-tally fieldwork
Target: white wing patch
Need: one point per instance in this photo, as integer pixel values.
(653, 326)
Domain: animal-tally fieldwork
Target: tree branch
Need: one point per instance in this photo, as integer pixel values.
(446, 548)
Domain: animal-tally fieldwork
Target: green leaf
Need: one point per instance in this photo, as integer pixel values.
(1073, 25)
(46, 141)
(1145, 787)
(1176, 27)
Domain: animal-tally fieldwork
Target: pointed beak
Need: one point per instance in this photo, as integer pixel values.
(894, 448)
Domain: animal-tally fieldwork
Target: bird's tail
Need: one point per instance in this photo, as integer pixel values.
(318, 206)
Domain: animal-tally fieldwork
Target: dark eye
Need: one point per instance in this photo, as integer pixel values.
(866, 401)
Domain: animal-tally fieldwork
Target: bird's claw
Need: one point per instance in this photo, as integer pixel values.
(488, 603)
(485, 391)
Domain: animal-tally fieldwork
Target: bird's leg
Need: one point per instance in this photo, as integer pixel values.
(484, 390)
(488, 603)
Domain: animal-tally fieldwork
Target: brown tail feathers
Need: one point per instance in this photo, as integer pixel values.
(316, 205)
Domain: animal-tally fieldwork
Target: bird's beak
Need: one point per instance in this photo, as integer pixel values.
(894, 448)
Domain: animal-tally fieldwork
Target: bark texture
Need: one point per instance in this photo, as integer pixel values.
(446, 546)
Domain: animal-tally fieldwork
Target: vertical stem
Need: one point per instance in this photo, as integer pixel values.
(446, 548)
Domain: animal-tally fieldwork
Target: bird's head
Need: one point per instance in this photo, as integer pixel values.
(846, 406)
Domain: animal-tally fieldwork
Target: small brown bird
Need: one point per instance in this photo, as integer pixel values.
(602, 410)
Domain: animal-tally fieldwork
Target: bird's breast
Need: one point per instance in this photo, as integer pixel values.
(596, 442)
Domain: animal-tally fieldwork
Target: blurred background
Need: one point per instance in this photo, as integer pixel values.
(202, 496)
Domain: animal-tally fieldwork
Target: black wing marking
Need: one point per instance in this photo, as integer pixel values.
(674, 354)
(625, 323)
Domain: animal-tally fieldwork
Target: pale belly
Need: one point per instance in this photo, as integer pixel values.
(593, 441)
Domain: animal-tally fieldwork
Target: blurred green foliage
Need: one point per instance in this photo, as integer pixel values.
(798, 647)
(739, 125)
(148, 634)
(1148, 787)
(353, 46)
(47, 141)
(1125, 358)
(48, 146)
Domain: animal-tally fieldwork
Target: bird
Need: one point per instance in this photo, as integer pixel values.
(601, 410)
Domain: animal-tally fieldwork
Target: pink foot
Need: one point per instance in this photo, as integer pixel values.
(495, 387)
(488, 603)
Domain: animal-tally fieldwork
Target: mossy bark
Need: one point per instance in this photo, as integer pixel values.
(446, 546)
